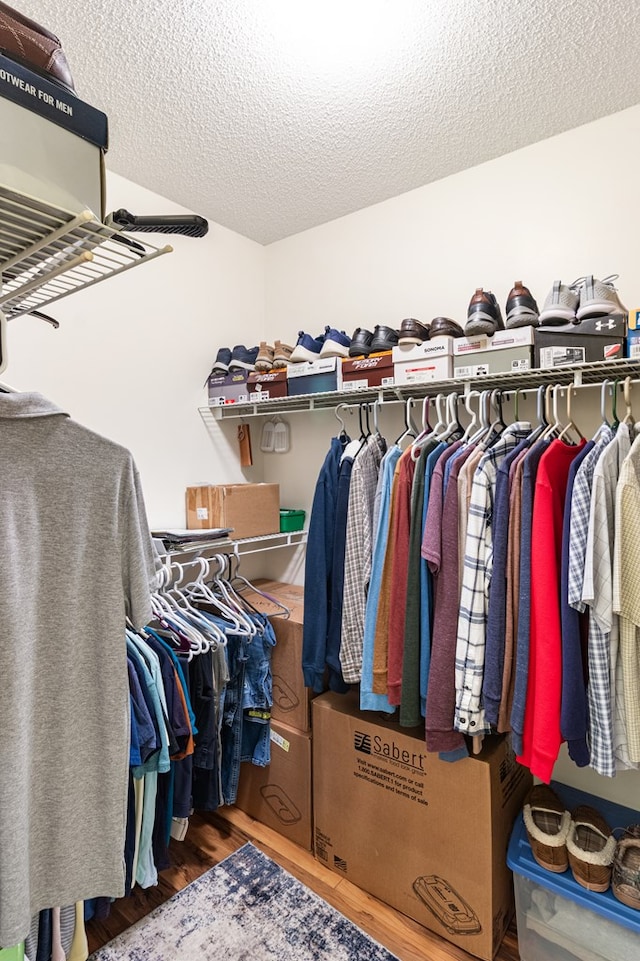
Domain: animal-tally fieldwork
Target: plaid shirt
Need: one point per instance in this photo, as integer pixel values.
(476, 578)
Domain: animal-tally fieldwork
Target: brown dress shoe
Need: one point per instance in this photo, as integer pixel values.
(445, 327)
(547, 823)
(413, 332)
(483, 314)
(591, 848)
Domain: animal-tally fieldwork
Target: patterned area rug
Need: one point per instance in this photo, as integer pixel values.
(247, 908)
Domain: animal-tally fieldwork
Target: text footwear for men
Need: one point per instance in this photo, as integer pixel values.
(547, 823)
(384, 338)
(360, 343)
(599, 298)
(307, 348)
(264, 360)
(591, 848)
(336, 343)
(483, 314)
(561, 304)
(444, 327)
(222, 361)
(243, 358)
(522, 310)
(625, 878)
(413, 332)
(281, 354)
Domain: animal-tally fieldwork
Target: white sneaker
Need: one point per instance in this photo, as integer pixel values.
(561, 304)
(599, 298)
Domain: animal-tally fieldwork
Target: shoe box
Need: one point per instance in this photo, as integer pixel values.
(507, 350)
(231, 388)
(315, 376)
(558, 919)
(291, 699)
(267, 386)
(280, 795)
(426, 836)
(376, 370)
(633, 334)
(52, 144)
(422, 363)
(249, 510)
(594, 339)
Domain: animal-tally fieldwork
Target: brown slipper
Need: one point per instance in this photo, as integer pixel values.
(625, 879)
(591, 848)
(547, 823)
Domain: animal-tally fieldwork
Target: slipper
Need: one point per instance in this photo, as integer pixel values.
(625, 880)
(547, 823)
(591, 847)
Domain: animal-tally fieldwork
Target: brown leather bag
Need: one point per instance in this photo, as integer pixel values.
(26, 42)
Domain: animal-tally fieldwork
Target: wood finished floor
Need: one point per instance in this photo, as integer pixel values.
(212, 837)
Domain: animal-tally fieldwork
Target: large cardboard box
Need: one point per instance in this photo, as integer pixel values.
(426, 836)
(280, 795)
(250, 510)
(291, 699)
(51, 143)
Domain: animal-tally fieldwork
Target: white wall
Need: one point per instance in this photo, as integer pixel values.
(561, 208)
(132, 354)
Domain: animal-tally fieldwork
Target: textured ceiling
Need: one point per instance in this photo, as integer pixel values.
(272, 116)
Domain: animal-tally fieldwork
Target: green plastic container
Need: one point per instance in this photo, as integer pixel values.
(291, 521)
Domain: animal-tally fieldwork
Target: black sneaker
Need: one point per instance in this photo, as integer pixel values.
(384, 338)
(243, 358)
(483, 314)
(522, 310)
(223, 358)
(360, 343)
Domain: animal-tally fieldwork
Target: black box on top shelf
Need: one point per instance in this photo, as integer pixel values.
(594, 339)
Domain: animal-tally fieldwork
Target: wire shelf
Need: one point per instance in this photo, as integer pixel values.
(576, 374)
(47, 253)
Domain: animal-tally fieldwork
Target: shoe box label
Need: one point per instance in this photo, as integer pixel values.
(476, 370)
(309, 367)
(561, 356)
(501, 340)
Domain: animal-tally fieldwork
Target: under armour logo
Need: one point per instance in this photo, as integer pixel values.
(609, 324)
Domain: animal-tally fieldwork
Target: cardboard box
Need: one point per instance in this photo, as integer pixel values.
(592, 340)
(633, 344)
(376, 370)
(250, 510)
(426, 836)
(51, 143)
(291, 699)
(231, 388)
(268, 385)
(280, 795)
(314, 377)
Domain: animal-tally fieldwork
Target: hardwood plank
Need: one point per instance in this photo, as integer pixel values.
(212, 837)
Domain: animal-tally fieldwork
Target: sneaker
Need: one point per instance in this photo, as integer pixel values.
(522, 310)
(599, 298)
(483, 314)
(561, 304)
(547, 823)
(264, 360)
(591, 848)
(625, 878)
(413, 332)
(384, 338)
(336, 343)
(243, 358)
(281, 354)
(223, 358)
(360, 343)
(307, 348)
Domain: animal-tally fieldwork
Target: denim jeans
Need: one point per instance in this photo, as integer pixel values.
(257, 696)
(231, 732)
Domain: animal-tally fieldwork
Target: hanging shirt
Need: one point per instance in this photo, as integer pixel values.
(512, 577)
(478, 557)
(541, 736)
(334, 631)
(398, 584)
(426, 585)
(465, 480)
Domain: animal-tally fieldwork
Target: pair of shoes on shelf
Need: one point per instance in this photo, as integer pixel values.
(365, 342)
(240, 358)
(583, 841)
(412, 331)
(272, 357)
(584, 298)
(333, 343)
(484, 315)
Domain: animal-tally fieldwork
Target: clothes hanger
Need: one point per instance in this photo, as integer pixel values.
(343, 436)
(200, 590)
(425, 432)
(571, 426)
(283, 609)
(628, 417)
(409, 426)
(473, 423)
(498, 425)
(485, 423)
(615, 423)
(246, 626)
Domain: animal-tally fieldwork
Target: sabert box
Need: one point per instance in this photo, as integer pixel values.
(250, 510)
(506, 350)
(231, 388)
(558, 919)
(291, 699)
(376, 370)
(266, 386)
(314, 376)
(280, 795)
(594, 339)
(421, 363)
(51, 143)
(426, 836)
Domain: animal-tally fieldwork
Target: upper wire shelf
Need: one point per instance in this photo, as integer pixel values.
(576, 374)
(47, 252)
